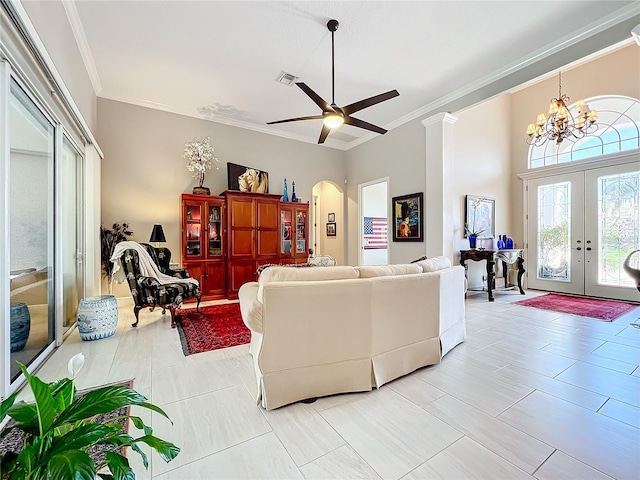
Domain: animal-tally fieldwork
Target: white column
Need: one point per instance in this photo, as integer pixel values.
(439, 201)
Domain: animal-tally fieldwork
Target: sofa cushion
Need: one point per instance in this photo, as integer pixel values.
(434, 264)
(370, 271)
(286, 274)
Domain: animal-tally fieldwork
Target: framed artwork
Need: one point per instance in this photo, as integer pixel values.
(247, 179)
(480, 216)
(407, 218)
(332, 217)
(331, 229)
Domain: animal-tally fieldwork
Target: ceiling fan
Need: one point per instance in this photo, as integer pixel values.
(332, 115)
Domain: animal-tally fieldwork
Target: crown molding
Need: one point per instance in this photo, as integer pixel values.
(81, 41)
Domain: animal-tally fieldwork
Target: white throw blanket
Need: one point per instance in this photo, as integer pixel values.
(148, 267)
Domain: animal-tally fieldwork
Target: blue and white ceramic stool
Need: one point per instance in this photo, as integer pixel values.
(97, 317)
(20, 326)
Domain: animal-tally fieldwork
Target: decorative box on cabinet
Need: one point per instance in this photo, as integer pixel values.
(204, 243)
(253, 230)
(293, 232)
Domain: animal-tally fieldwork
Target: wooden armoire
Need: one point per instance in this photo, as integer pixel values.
(225, 239)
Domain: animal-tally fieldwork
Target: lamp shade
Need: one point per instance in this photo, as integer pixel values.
(157, 234)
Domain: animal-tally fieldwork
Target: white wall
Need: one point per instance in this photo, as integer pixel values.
(399, 155)
(483, 167)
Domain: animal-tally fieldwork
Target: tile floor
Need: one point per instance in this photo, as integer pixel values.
(530, 394)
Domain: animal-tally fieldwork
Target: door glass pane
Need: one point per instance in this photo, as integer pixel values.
(618, 225)
(554, 215)
(193, 215)
(285, 241)
(31, 141)
(301, 232)
(215, 225)
(71, 228)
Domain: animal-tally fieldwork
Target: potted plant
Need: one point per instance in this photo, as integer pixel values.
(60, 427)
(200, 157)
(108, 240)
(472, 235)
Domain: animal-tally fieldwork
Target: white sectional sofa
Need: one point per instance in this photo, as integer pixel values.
(323, 330)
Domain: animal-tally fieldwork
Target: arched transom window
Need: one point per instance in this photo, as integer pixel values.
(618, 130)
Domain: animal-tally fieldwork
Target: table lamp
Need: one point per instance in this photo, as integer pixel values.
(157, 234)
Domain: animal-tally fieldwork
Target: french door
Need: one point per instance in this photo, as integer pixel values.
(580, 228)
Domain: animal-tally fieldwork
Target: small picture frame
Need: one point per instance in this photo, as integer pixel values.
(331, 217)
(331, 229)
(407, 217)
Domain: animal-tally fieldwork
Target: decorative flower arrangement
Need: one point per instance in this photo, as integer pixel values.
(200, 158)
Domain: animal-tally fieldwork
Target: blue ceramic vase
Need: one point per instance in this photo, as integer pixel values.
(20, 326)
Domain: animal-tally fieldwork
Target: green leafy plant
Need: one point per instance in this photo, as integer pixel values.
(470, 232)
(60, 427)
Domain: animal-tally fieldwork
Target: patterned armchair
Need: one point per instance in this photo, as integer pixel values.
(148, 292)
(162, 257)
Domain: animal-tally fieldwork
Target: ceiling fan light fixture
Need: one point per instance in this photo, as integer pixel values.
(332, 115)
(332, 120)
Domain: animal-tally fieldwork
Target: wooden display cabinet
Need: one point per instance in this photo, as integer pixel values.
(294, 232)
(203, 243)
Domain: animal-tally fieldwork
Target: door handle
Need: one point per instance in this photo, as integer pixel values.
(579, 248)
(588, 248)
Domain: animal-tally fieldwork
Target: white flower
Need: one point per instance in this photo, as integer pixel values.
(200, 157)
(75, 365)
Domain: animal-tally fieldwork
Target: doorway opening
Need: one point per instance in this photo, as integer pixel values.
(374, 222)
(328, 232)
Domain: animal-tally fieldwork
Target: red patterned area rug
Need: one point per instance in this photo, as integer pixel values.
(607, 310)
(218, 326)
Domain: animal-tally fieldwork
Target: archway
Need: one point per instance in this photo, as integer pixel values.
(328, 209)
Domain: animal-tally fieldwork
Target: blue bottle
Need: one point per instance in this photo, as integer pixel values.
(293, 192)
(500, 243)
(509, 243)
(285, 197)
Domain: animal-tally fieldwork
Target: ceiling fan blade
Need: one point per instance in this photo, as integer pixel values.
(368, 102)
(315, 97)
(324, 133)
(312, 117)
(356, 122)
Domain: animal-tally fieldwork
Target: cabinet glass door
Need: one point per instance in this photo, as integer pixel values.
(301, 232)
(193, 224)
(215, 231)
(285, 222)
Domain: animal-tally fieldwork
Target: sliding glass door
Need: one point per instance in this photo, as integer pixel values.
(31, 229)
(71, 231)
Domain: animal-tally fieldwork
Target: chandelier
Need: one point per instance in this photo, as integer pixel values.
(561, 123)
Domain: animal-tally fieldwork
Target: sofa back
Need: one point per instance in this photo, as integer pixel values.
(307, 274)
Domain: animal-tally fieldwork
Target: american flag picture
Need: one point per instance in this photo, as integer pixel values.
(375, 233)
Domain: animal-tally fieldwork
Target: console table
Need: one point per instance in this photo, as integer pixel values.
(508, 257)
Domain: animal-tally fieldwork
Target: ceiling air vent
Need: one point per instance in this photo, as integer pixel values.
(286, 78)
